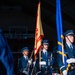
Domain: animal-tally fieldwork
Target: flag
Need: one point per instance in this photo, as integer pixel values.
(59, 29)
(38, 32)
(6, 57)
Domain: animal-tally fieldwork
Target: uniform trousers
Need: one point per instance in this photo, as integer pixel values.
(71, 72)
(46, 71)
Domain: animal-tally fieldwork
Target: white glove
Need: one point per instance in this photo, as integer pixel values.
(64, 72)
(42, 63)
(34, 63)
(25, 72)
(71, 60)
(30, 61)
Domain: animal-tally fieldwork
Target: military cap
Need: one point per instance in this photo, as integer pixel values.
(25, 49)
(45, 42)
(69, 32)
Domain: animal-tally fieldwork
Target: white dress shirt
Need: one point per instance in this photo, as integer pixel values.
(69, 45)
(44, 51)
(26, 57)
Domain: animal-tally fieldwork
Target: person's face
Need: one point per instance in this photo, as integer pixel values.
(25, 53)
(71, 38)
(45, 46)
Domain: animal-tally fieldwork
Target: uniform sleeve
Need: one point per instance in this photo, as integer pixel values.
(60, 63)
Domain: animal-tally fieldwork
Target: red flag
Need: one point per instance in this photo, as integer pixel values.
(38, 32)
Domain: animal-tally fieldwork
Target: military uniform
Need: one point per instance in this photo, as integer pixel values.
(46, 62)
(48, 67)
(69, 57)
(23, 63)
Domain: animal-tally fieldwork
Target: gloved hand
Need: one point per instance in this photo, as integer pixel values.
(30, 61)
(34, 63)
(71, 60)
(65, 72)
(42, 63)
(25, 72)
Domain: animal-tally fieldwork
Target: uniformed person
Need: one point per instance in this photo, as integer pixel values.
(46, 59)
(24, 62)
(68, 67)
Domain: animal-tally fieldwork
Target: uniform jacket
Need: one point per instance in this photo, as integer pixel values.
(48, 59)
(68, 53)
(22, 63)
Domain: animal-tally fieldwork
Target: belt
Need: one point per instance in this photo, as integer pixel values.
(72, 67)
(47, 67)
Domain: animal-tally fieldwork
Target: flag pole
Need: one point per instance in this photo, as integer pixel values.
(38, 34)
(59, 29)
(62, 37)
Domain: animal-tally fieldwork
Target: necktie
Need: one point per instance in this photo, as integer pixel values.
(26, 58)
(46, 54)
(71, 47)
(46, 59)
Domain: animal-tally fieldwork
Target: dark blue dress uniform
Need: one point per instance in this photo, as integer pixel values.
(22, 63)
(49, 61)
(47, 57)
(68, 53)
(6, 58)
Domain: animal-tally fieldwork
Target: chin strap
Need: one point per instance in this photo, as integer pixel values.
(69, 40)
